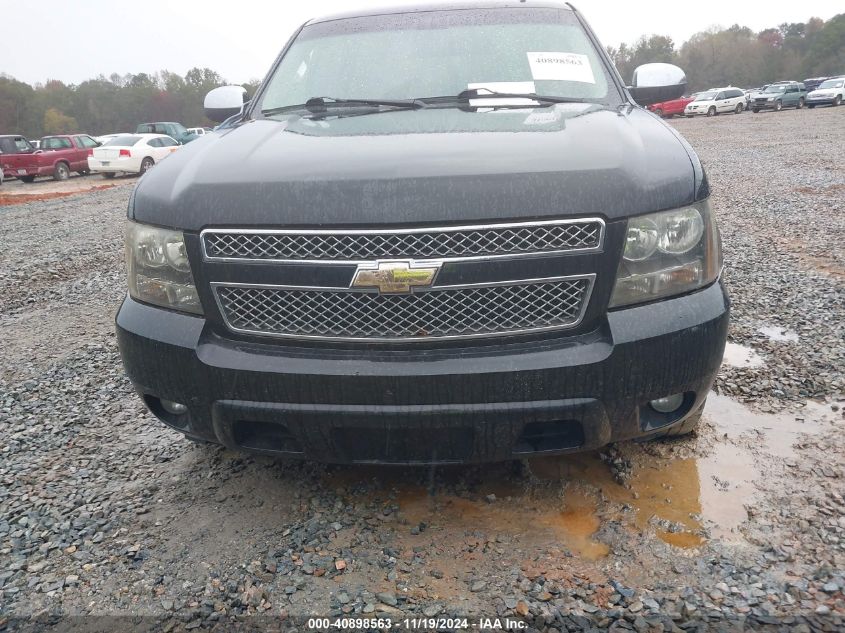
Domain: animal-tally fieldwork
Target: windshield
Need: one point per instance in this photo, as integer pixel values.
(441, 53)
(14, 145)
(55, 142)
(706, 96)
(832, 83)
(775, 89)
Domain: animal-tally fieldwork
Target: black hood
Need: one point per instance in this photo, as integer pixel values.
(423, 166)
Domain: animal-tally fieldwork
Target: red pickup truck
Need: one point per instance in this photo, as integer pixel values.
(671, 108)
(58, 156)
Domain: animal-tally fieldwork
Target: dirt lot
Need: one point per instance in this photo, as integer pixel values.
(18, 192)
(103, 511)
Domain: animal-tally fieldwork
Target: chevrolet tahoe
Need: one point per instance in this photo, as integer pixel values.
(445, 234)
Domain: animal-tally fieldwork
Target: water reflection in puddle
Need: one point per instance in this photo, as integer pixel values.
(777, 434)
(741, 356)
(776, 333)
(683, 501)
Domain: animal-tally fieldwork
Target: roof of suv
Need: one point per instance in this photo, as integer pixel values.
(455, 6)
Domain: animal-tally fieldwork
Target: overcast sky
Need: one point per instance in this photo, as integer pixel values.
(80, 39)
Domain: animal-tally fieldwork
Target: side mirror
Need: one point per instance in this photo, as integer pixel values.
(225, 101)
(653, 83)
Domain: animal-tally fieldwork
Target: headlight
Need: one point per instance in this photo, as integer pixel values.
(666, 254)
(771, 98)
(158, 268)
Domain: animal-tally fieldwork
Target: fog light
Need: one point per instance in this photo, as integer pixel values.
(177, 408)
(667, 404)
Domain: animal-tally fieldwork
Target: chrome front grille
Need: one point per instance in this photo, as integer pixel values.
(450, 311)
(445, 243)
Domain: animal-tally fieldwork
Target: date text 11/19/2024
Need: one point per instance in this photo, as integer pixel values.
(419, 624)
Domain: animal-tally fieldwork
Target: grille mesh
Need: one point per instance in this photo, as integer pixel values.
(434, 313)
(438, 243)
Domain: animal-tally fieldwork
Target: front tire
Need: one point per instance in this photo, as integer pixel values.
(837, 101)
(711, 111)
(659, 112)
(146, 165)
(778, 106)
(62, 172)
(800, 103)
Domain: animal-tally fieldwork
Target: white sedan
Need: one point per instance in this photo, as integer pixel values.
(131, 153)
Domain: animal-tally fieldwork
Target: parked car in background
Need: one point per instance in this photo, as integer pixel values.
(200, 131)
(58, 156)
(780, 95)
(671, 108)
(131, 154)
(105, 138)
(717, 101)
(11, 145)
(814, 82)
(176, 131)
(830, 92)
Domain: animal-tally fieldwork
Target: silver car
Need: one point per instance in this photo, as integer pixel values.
(830, 92)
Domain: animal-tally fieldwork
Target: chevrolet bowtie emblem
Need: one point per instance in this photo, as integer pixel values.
(395, 276)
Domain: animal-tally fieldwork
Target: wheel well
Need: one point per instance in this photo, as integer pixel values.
(61, 162)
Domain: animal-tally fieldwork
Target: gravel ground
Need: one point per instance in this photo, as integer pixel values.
(104, 512)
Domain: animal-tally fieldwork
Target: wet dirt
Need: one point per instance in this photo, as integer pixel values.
(15, 192)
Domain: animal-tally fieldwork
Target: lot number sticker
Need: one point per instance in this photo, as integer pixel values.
(561, 67)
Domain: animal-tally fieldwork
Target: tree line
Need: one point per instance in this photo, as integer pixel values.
(106, 104)
(740, 57)
(716, 57)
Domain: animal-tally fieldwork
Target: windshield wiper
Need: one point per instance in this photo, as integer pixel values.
(321, 104)
(483, 93)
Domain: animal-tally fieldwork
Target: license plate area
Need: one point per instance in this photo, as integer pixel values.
(404, 445)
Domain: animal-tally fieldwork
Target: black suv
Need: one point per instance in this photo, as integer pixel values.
(434, 235)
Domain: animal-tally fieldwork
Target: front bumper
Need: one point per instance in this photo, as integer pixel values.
(459, 404)
(821, 100)
(764, 105)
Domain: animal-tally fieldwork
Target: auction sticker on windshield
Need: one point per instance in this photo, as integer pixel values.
(561, 67)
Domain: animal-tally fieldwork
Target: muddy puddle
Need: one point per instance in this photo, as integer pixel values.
(681, 497)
